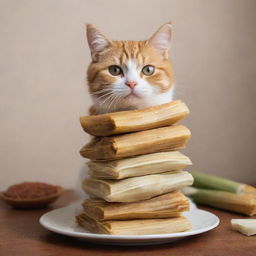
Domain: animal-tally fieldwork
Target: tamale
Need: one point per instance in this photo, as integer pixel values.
(135, 120)
(164, 206)
(138, 143)
(135, 227)
(138, 166)
(137, 188)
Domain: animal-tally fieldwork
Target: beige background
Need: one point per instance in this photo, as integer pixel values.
(43, 57)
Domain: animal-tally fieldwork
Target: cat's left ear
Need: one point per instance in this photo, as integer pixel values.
(97, 42)
(161, 39)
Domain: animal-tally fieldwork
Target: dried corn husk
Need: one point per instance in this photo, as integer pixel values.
(137, 188)
(135, 227)
(138, 143)
(164, 206)
(138, 166)
(135, 120)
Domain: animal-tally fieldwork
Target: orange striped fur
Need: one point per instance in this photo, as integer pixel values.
(112, 93)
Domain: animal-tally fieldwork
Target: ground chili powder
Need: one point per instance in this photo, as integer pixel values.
(30, 190)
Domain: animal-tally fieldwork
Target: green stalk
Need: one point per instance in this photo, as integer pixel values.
(241, 203)
(202, 180)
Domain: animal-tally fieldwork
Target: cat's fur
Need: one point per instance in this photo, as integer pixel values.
(112, 93)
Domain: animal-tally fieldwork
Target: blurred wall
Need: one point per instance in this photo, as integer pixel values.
(44, 55)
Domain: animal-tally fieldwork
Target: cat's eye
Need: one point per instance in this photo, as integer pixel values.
(115, 70)
(148, 70)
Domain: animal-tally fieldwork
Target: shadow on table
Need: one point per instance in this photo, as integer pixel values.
(64, 241)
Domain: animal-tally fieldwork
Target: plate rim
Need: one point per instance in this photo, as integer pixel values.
(87, 235)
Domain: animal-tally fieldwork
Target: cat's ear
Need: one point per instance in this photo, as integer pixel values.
(97, 42)
(161, 39)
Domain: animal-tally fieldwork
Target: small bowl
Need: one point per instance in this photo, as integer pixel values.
(32, 203)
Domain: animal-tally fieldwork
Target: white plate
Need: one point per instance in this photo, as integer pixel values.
(62, 221)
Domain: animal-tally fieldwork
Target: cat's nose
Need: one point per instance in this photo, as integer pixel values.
(131, 84)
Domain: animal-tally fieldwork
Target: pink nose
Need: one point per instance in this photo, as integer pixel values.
(131, 84)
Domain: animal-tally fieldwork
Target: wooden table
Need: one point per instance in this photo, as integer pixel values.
(21, 234)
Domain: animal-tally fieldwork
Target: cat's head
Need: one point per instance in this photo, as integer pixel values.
(129, 74)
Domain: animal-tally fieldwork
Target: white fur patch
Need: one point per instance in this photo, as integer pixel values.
(143, 88)
(131, 72)
(122, 97)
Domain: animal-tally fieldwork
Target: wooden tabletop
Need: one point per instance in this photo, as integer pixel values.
(21, 234)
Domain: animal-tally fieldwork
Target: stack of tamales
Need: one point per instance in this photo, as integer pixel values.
(135, 171)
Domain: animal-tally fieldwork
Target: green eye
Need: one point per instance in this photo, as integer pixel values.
(115, 70)
(148, 70)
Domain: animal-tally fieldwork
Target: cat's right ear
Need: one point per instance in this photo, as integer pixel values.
(161, 39)
(97, 42)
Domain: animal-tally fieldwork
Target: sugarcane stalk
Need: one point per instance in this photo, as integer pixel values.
(202, 180)
(241, 203)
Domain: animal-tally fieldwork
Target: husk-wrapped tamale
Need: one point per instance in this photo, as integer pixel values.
(135, 227)
(138, 143)
(164, 206)
(135, 120)
(137, 188)
(138, 166)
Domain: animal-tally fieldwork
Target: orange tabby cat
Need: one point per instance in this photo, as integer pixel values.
(125, 75)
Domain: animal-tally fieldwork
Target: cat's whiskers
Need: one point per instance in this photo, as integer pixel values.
(119, 98)
(109, 98)
(102, 90)
(107, 90)
(106, 100)
(113, 98)
(104, 95)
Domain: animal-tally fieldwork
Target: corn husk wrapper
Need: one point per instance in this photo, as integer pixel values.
(135, 120)
(137, 188)
(167, 205)
(138, 166)
(135, 227)
(138, 143)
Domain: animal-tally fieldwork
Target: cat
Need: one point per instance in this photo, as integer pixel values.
(127, 75)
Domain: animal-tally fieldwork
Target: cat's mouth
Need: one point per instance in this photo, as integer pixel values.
(130, 95)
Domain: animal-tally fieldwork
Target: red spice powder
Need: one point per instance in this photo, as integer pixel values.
(30, 190)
